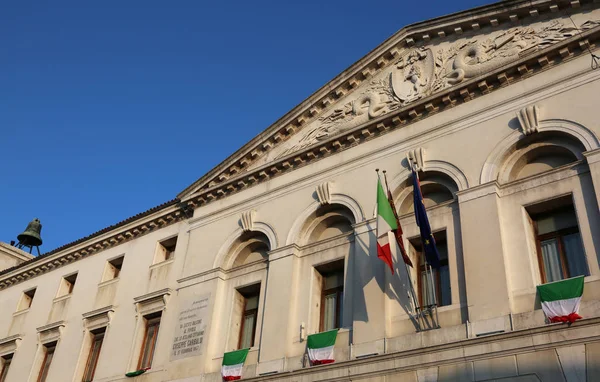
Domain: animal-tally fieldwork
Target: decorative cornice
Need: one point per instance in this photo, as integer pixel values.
(230, 177)
(51, 326)
(10, 339)
(51, 332)
(10, 344)
(51, 261)
(99, 318)
(98, 312)
(506, 13)
(159, 294)
(434, 104)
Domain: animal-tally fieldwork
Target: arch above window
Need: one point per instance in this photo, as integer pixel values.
(327, 221)
(570, 135)
(243, 247)
(251, 246)
(352, 212)
(539, 153)
(436, 187)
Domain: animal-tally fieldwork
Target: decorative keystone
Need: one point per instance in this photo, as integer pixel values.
(415, 158)
(247, 220)
(323, 191)
(529, 119)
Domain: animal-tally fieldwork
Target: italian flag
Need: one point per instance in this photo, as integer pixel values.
(561, 299)
(233, 362)
(320, 347)
(386, 224)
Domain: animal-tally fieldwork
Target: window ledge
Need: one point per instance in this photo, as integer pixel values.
(447, 308)
(529, 291)
(162, 263)
(61, 298)
(253, 349)
(20, 312)
(108, 282)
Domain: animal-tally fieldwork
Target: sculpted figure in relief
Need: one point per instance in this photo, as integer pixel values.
(420, 72)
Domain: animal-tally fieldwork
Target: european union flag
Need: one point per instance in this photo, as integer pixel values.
(429, 247)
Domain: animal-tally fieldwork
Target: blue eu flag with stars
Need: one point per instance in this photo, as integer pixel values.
(429, 248)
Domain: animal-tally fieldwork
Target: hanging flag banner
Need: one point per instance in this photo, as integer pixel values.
(561, 299)
(386, 224)
(233, 364)
(398, 231)
(429, 248)
(320, 347)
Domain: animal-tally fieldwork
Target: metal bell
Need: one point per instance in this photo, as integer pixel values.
(32, 235)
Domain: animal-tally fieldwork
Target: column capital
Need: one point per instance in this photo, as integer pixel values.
(285, 251)
(479, 191)
(365, 226)
(592, 156)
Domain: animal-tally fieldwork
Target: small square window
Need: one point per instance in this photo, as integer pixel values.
(112, 270)
(26, 300)
(66, 285)
(165, 250)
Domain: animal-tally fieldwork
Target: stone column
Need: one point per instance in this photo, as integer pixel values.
(488, 293)
(280, 302)
(368, 289)
(593, 160)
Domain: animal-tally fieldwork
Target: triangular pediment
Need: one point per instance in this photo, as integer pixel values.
(410, 69)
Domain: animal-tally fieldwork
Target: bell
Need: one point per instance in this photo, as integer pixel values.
(32, 235)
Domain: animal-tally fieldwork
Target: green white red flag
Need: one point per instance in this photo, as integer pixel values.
(233, 363)
(561, 299)
(386, 226)
(398, 231)
(320, 347)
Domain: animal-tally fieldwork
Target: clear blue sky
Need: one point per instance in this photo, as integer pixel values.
(108, 108)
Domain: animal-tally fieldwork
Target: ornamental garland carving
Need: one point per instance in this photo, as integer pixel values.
(421, 72)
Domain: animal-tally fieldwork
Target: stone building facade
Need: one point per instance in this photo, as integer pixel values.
(498, 109)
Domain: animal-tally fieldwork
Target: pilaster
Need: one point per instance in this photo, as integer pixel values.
(488, 293)
(279, 304)
(593, 160)
(368, 315)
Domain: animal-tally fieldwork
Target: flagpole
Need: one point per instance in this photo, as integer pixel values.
(428, 273)
(411, 287)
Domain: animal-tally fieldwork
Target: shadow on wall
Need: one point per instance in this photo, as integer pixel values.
(363, 274)
(591, 209)
(374, 268)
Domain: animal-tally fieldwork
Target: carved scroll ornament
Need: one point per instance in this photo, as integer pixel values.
(421, 72)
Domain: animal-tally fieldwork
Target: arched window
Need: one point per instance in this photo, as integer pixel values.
(323, 226)
(437, 188)
(539, 153)
(326, 222)
(249, 247)
(553, 223)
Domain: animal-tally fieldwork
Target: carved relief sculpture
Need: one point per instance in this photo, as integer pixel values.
(421, 72)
